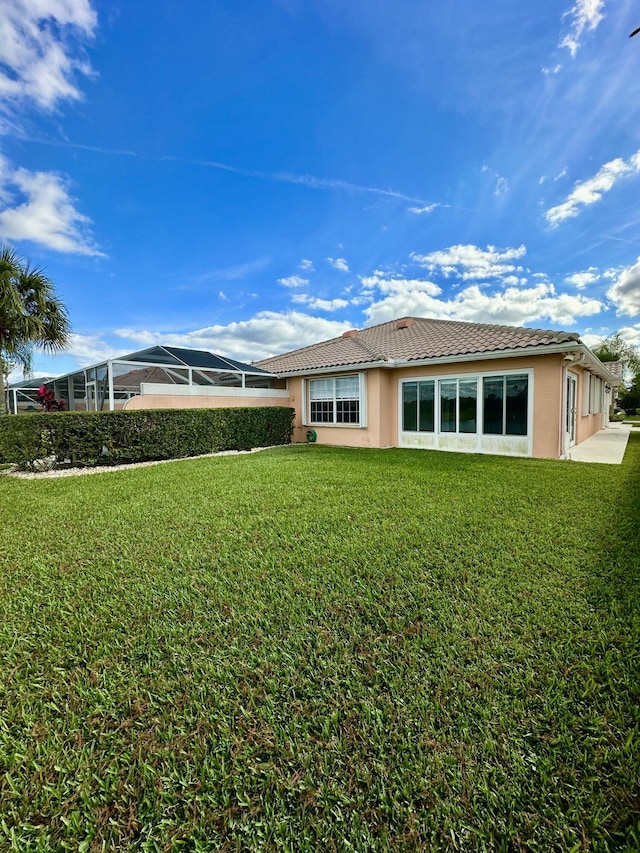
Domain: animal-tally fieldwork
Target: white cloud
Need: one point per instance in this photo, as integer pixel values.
(470, 262)
(509, 306)
(235, 272)
(399, 285)
(36, 206)
(631, 334)
(307, 265)
(293, 281)
(89, 349)
(319, 304)
(591, 340)
(582, 279)
(38, 39)
(502, 184)
(611, 273)
(316, 183)
(625, 291)
(561, 174)
(585, 15)
(428, 208)
(339, 264)
(502, 187)
(266, 334)
(590, 191)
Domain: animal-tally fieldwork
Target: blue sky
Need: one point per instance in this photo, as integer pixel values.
(253, 177)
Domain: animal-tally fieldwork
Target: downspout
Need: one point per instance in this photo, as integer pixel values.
(563, 413)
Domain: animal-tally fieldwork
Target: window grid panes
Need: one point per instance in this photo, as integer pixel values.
(322, 411)
(335, 400)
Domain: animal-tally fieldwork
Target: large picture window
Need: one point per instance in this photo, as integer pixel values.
(505, 403)
(418, 406)
(335, 400)
(457, 403)
(450, 405)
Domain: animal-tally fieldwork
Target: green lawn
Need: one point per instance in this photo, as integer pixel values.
(314, 649)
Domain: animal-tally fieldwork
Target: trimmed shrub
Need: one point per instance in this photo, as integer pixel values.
(111, 438)
(4, 419)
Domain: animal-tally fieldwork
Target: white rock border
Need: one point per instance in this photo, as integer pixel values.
(105, 469)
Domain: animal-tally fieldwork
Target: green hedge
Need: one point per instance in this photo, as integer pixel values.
(4, 419)
(111, 438)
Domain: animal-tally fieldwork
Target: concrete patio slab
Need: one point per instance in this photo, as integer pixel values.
(607, 446)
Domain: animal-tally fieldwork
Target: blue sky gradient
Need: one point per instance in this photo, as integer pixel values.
(252, 177)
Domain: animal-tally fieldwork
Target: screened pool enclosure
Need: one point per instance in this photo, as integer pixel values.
(110, 384)
(22, 396)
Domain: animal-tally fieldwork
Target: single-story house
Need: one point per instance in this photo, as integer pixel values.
(446, 385)
(413, 382)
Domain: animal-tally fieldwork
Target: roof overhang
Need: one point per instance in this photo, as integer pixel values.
(584, 356)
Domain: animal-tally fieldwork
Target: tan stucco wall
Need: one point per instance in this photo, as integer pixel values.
(342, 436)
(382, 403)
(586, 425)
(547, 393)
(170, 401)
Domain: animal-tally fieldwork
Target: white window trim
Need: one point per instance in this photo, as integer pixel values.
(595, 396)
(586, 393)
(362, 392)
(478, 376)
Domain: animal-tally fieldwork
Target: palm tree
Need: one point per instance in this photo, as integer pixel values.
(31, 314)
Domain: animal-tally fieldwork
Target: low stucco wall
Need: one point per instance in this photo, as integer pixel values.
(170, 401)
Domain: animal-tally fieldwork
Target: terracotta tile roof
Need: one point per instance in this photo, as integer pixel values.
(137, 375)
(615, 368)
(412, 339)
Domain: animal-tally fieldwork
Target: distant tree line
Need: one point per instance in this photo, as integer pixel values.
(615, 348)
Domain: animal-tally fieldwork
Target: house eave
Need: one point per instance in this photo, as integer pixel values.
(587, 358)
(337, 368)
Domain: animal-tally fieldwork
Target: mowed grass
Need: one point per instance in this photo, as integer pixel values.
(315, 649)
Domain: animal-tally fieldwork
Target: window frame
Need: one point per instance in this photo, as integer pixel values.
(334, 400)
(478, 377)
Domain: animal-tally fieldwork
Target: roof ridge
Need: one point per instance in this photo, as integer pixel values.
(443, 320)
(369, 349)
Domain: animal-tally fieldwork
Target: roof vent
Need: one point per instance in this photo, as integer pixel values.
(404, 323)
(350, 334)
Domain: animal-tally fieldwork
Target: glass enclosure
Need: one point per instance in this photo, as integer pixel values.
(108, 386)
